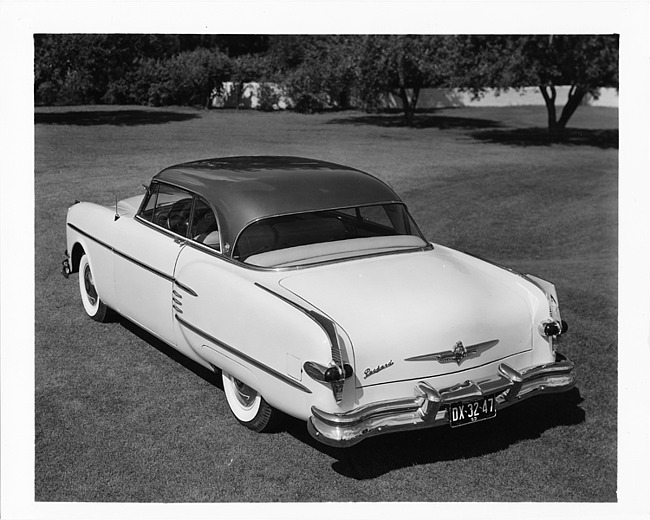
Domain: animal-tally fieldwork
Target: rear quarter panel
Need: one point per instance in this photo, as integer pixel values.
(250, 322)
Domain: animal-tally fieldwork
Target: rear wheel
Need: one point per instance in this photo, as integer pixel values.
(94, 307)
(248, 406)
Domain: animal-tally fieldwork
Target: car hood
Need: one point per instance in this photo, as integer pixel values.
(405, 314)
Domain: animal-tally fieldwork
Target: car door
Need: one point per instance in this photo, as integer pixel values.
(146, 250)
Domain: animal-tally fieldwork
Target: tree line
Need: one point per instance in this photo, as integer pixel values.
(318, 72)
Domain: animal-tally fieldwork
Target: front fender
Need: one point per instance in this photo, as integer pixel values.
(90, 230)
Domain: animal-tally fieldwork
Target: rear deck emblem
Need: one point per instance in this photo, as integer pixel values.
(458, 354)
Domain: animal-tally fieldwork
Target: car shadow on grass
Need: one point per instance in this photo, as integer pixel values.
(604, 139)
(131, 117)
(211, 377)
(377, 456)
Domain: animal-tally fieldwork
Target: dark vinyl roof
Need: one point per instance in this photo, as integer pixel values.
(245, 189)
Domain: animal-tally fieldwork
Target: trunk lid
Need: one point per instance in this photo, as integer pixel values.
(405, 314)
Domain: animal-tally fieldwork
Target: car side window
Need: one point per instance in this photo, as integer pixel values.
(146, 213)
(168, 207)
(204, 227)
(375, 215)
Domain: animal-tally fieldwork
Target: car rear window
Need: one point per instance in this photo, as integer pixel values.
(300, 229)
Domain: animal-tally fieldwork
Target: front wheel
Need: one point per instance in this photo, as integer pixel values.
(94, 307)
(248, 407)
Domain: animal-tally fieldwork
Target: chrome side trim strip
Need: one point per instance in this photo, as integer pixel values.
(144, 266)
(328, 326)
(241, 355)
(184, 288)
(87, 235)
(322, 321)
(136, 262)
(123, 255)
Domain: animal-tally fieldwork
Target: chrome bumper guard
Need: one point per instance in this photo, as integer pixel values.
(429, 406)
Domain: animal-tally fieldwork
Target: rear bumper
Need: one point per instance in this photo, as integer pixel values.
(429, 406)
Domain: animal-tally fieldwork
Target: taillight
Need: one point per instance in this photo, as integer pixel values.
(328, 374)
(553, 328)
(334, 375)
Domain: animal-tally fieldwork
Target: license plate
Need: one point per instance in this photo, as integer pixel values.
(469, 412)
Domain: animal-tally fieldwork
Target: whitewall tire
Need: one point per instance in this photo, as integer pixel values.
(94, 307)
(248, 406)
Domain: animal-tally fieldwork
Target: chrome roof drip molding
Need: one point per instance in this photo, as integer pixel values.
(458, 354)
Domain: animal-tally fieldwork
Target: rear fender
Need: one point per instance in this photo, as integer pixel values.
(235, 317)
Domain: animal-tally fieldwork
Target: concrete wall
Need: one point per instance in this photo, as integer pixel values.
(438, 98)
(249, 97)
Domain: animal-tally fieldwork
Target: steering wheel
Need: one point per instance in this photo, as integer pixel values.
(178, 218)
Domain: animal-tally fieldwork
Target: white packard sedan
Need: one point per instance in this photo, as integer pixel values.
(308, 285)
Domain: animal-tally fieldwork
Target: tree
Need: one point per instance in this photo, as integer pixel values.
(246, 68)
(287, 51)
(401, 64)
(323, 74)
(585, 63)
(88, 68)
(187, 78)
(126, 68)
(231, 44)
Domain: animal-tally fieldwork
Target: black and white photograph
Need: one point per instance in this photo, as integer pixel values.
(260, 261)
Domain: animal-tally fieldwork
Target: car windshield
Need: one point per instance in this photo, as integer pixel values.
(348, 225)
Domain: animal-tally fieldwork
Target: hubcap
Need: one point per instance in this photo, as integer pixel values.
(90, 286)
(245, 394)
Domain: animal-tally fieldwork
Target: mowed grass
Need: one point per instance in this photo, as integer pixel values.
(121, 417)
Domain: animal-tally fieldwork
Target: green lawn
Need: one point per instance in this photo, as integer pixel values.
(121, 417)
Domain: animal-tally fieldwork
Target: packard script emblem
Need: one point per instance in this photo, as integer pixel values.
(372, 371)
(458, 354)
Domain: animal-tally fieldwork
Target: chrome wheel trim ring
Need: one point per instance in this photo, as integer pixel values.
(89, 284)
(244, 393)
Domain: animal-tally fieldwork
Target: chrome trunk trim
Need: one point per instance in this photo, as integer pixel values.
(428, 407)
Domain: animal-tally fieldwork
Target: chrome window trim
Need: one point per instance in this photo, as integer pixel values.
(160, 229)
(337, 208)
(228, 256)
(206, 249)
(194, 196)
(220, 256)
(427, 247)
